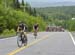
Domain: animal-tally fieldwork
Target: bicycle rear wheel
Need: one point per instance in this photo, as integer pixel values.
(25, 40)
(35, 34)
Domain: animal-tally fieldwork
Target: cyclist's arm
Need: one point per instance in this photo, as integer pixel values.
(18, 29)
(24, 29)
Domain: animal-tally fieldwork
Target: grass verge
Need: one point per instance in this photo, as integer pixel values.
(7, 33)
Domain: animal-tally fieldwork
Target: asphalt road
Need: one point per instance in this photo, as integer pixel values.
(55, 43)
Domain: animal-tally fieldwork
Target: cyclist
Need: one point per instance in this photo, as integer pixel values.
(35, 28)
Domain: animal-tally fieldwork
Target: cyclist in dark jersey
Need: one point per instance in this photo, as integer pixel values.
(35, 27)
(21, 27)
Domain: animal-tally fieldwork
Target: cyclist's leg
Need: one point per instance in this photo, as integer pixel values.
(21, 35)
(25, 36)
(35, 33)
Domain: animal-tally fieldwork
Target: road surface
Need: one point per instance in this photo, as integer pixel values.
(47, 43)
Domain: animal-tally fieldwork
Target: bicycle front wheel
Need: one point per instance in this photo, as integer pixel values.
(19, 41)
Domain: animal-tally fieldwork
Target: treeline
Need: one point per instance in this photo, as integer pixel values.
(59, 16)
(13, 11)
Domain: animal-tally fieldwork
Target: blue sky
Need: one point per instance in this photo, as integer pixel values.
(49, 0)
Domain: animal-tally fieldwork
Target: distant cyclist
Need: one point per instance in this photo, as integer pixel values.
(35, 28)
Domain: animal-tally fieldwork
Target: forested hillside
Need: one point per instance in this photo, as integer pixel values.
(61, 15)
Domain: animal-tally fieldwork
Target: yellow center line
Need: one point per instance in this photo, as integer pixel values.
(24, 47)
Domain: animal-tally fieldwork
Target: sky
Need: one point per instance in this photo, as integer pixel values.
(49, 0)
(35, 3)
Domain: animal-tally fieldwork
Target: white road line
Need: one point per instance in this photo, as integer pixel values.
(72, 38)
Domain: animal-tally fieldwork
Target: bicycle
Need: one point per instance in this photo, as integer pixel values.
(35, 34)
(21, 39)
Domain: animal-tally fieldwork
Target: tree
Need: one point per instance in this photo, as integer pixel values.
(34, 12)
(23, 5)
(28, 8)
(17, 4)
(14, 3)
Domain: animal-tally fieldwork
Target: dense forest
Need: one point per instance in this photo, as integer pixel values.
(13, 11)
(61, 15)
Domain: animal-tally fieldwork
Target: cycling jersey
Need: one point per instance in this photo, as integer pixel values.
(35, 27)
(22, 27)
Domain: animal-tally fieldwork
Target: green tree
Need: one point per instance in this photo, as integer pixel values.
(17, 4)
(34, 12)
